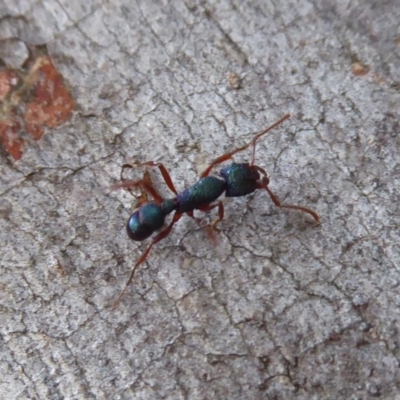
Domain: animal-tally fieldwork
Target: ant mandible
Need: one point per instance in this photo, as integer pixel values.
(234, 179)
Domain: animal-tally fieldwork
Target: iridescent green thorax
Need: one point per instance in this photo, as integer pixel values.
(205, 191)
(240, 179)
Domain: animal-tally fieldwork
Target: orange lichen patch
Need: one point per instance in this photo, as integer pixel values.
(30, 101)
(9, 126)
(8, 79)
(359, 69)
(10, 138)
(51, 104)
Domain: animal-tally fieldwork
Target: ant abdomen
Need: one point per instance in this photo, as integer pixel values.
(144, 221)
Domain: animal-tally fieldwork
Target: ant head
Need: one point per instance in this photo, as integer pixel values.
(145, 221)
(254, 172)
(258, 172)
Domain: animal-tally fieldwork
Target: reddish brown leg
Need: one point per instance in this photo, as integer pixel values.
(202, 223)
(229, 155)
(264, 185)
(254, 141)
(220, 217)
(145, 184)
(164, 173)
(162, 235)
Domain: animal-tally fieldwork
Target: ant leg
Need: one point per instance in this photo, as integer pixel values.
(264, 185)
(164, 173)
(162, 235)
(220, 217)
(124, 166)
(145, 184)
(200, 221)
(229, 155)
(202, 224)
(254, 141)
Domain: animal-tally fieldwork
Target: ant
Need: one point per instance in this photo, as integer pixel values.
(234, 179)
